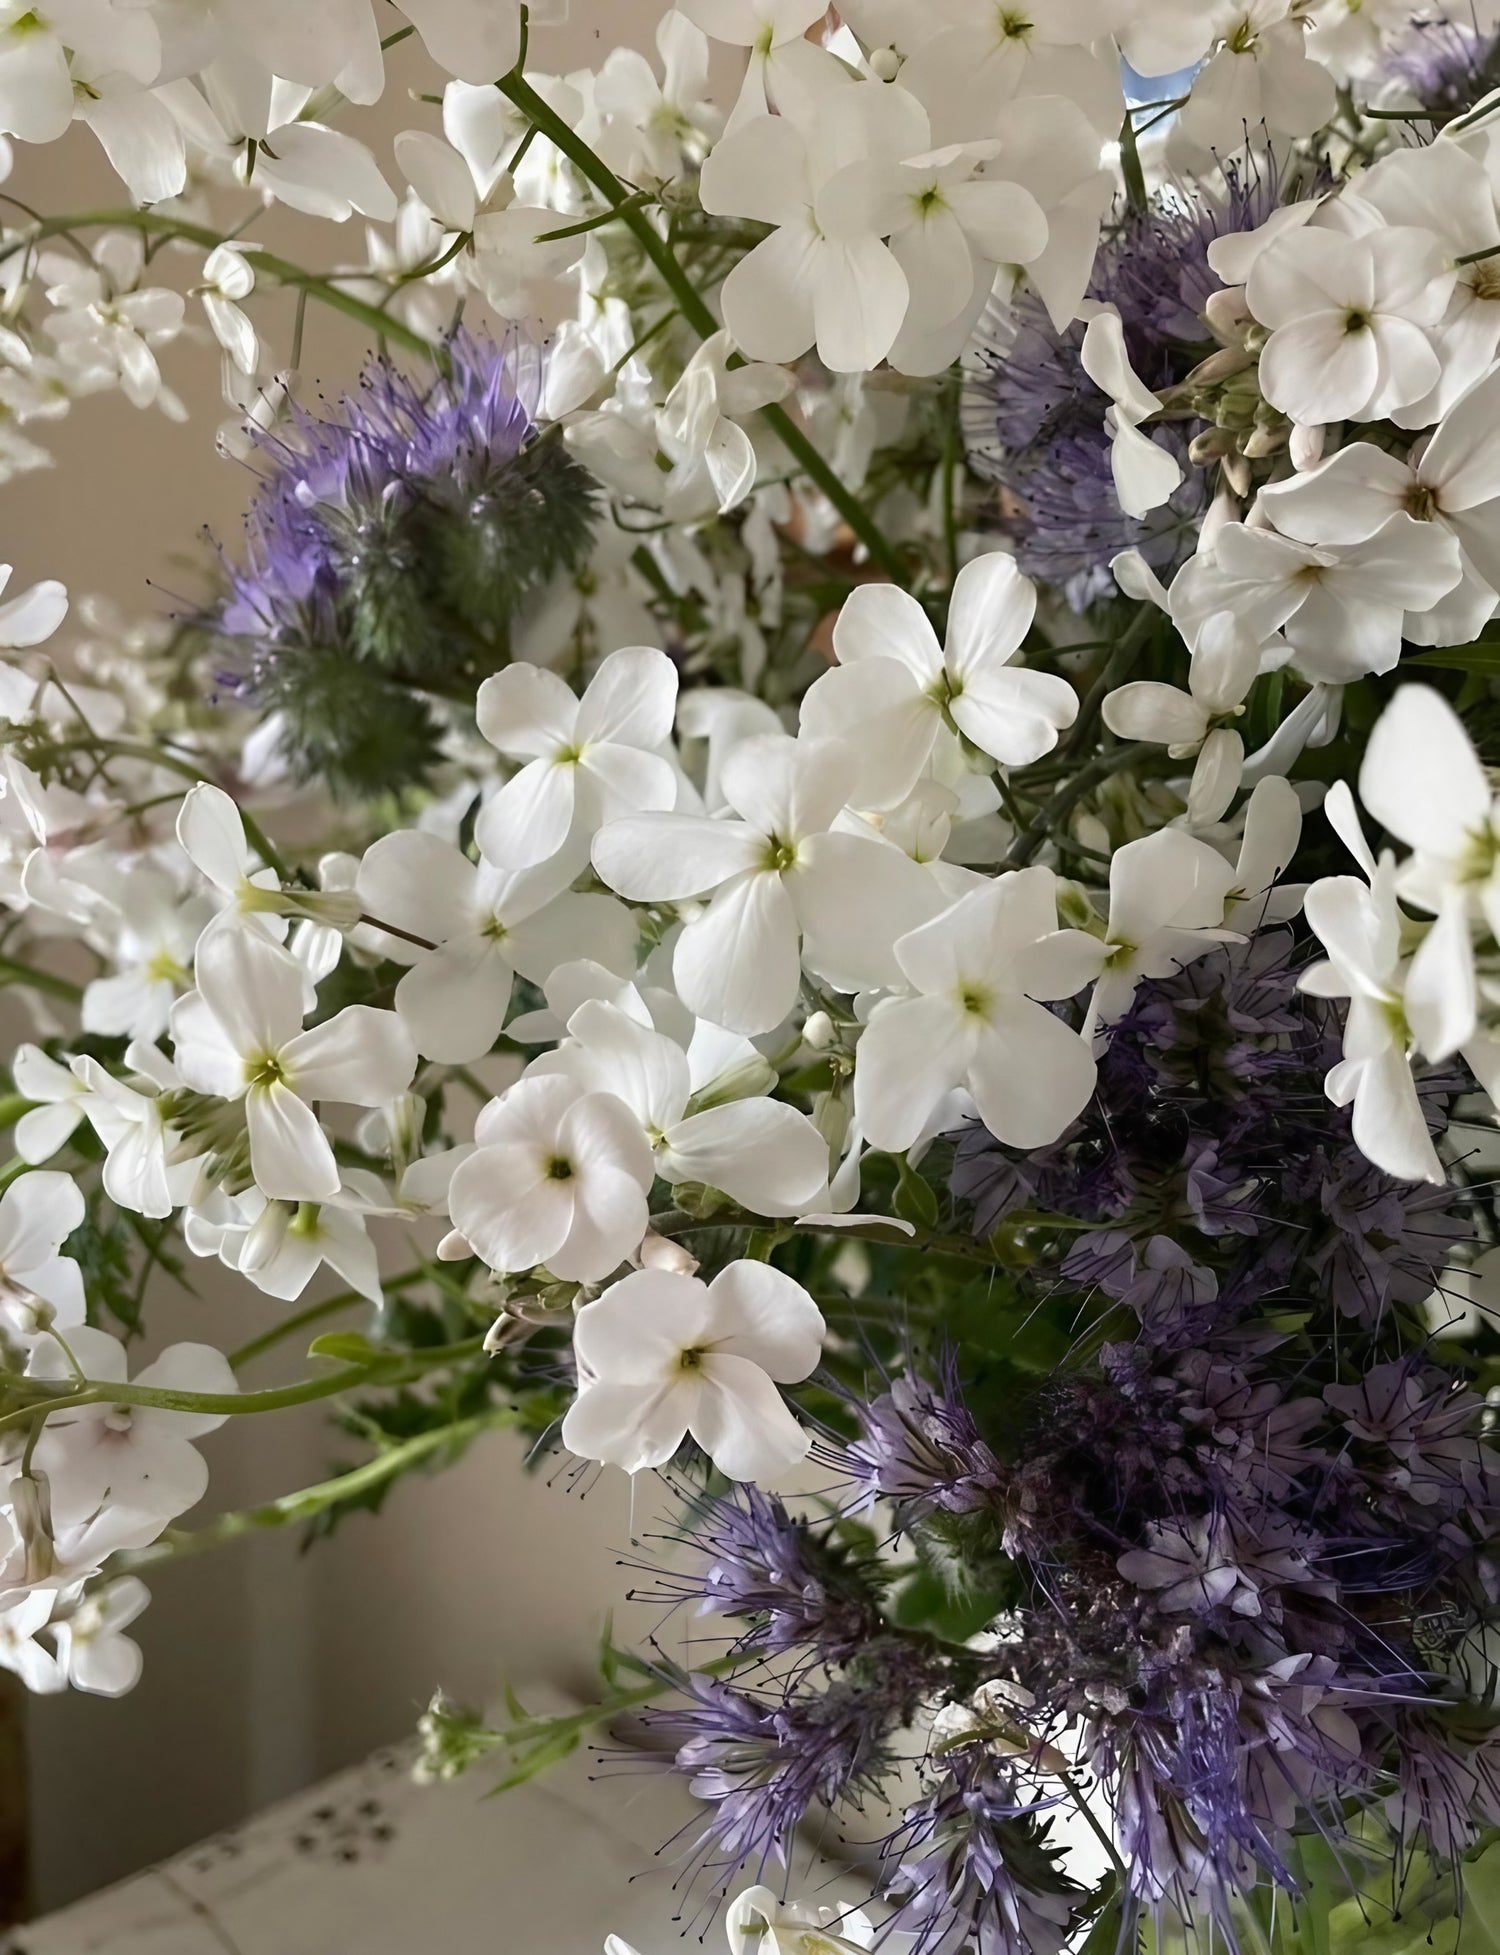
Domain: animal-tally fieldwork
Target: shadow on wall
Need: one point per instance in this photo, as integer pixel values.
(265, 1667)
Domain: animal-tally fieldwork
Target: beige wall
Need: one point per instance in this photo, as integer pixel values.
(265, 1667)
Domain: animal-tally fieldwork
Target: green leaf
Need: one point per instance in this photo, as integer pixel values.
(915, 1201)
(1483, 656)
(1104, 1938)
(348, 1346)
(540, 1758)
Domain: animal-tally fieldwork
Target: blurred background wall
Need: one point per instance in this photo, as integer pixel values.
(267, 1667)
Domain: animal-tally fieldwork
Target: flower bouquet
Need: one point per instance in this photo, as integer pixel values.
(923, 762)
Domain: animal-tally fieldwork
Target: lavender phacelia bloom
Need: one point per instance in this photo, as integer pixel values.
(762, 1763)
(755, 1563)
(1034, 421)
(977, 1871)
(393, 541)
(1212, 1170)
(920, 1450)
(1442, 66)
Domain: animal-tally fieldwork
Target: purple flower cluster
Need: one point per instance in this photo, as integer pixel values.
(792, 1587)
(1233, 1553)
(976, 1871)
(765, 1761)
(1444, 66)
(394, 539)
(1034, 421)
(1211, 1169)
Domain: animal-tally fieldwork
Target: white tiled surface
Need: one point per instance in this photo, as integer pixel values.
(369, 1864)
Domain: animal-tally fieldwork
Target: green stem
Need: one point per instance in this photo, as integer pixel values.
(1121, 658)
(12, 971)
(574, 1723)
(174, 763)
(697, 313)
(634, 201)
(292, 1508)
(1130, 166)
(393, 1370)
(674, 1222)
(12, 1106)
(1067, 798)
(1091, 1821)
(317, 1313)
(153, 223)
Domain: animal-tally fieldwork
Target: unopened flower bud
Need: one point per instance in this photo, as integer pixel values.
(885, 64)
(30, 1498)
(1306, 446)
(1226, 316)
(818, 1032)
(658, 1252)
(405, 1117)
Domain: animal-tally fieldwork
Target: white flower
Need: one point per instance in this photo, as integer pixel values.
(36, 82)
(1166, 900)
(59, 1099)
(93, 1651)
(39, 1286)
(212, 836)
(1359, 925)
(1221, 673)
(486, 924)
(281, 1246)
(895, 687)
(1350, 320)
(126, 1115)
(1145, 474)
(772, 30)
(136, 1460)
(954, 227)
(1422, 780)
(713, 459)
(22, 1615)
(1338, 613)
(506, 256)
(768, 874)
(1259, 74)
(977, 971)
(1452, 480)
(990, 54)
(661, 1357)
(559, 1177)
(758, 1922)
(767, 1157)
(154, 938)
(106, 326)
(229, 277)
(1449, 189)
(587, 760)
(33, 614)
(239, 1035)
(648, 124)
(827, 179)
(477, 41)
(248, 120)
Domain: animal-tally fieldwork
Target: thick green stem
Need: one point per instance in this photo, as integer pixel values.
(698, 314)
